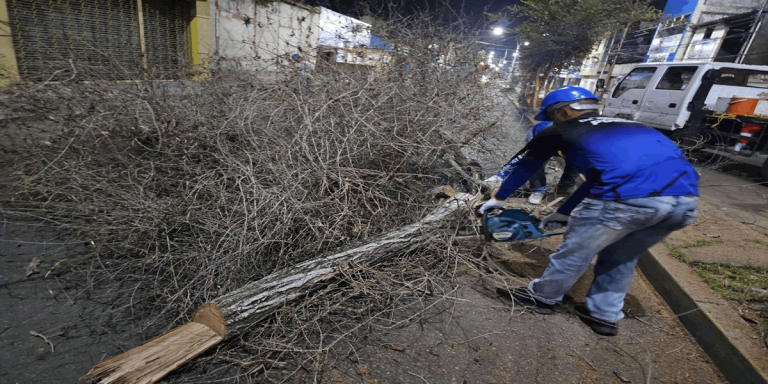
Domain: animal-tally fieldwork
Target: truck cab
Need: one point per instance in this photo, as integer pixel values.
(664, 95)
(692, 101)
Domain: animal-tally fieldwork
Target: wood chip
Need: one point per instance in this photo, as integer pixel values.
(32, 267)
(54, 266)
(621, 377)
(395, 347)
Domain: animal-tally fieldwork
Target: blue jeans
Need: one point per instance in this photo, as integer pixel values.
(617, 232)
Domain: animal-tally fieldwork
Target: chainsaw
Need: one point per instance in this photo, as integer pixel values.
(512, 225)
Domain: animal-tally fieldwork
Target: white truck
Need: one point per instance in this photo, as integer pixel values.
(691, 100)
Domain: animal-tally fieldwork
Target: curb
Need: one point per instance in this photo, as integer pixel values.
(728, 357)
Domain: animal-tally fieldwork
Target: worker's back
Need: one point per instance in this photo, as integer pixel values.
(623, 159)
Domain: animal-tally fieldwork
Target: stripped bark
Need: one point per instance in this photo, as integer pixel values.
(255, 301)
(239, 309)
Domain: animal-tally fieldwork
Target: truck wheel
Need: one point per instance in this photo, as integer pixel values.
(764, 170)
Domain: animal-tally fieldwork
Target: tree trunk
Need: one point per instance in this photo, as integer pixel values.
(244, 307)
(539, 83)
(255, 301)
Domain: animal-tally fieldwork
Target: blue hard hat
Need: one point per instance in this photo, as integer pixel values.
(295, 57)
(564, 94)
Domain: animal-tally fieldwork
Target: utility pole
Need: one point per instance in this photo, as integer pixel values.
(607, 49)
(514, 60)
(618, 50)
(755, 25)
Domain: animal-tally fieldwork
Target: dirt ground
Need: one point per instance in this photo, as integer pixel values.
(483, 339)
(732, 242)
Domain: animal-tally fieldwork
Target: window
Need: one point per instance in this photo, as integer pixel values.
(708, 33)
(637, 79)
(676, 78)
(742, 78)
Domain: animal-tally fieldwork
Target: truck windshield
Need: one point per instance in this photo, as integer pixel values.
(637, 79)
(742, 78)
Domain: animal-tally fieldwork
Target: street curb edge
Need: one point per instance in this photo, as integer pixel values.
(727, 357)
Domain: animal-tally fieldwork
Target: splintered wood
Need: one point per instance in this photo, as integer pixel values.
(149, 362)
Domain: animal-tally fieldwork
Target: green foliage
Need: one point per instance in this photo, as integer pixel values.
(758, 242)
(727, 280)
(564, 30)
(730, 281)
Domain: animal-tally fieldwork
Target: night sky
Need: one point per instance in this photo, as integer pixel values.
(472, 9)
(472, 12)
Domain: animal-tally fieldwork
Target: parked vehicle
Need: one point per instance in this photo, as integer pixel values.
(695, 100)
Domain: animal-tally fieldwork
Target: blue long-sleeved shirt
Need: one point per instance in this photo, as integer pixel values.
(620, 159)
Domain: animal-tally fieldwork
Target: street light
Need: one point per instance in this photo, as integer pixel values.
(498, 31)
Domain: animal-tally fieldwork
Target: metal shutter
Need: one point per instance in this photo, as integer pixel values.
(101, 36)
(165, 22)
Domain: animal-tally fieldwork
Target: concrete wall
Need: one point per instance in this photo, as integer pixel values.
(262, 37)
(348, 39)
(711, 10)
(337, 30)
(701, 49)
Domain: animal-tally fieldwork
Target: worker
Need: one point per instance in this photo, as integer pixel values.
(639, 188)
(538, 182)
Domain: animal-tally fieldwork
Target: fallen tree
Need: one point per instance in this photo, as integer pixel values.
(188, 191)
(252, 303)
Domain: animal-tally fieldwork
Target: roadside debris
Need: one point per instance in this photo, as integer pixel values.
(32, 267)
(33, 333)
(621, 377)
(395, 347)
(53, 267)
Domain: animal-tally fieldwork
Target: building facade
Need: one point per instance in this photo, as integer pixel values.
(169, 39)
(689, 31)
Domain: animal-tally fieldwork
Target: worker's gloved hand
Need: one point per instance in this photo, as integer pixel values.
(554, 221)
(490, 184)
(495, 179)
(491, 204)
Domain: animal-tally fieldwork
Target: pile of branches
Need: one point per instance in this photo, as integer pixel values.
(191, 189)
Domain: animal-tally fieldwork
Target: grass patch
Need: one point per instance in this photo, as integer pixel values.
(730, 281)
(677, 250)
(759, 242)
(700, 243)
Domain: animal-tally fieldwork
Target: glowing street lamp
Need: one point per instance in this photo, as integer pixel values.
(498, 31)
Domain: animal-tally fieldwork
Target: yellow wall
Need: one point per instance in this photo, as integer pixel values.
(9, 72)
(199, 35)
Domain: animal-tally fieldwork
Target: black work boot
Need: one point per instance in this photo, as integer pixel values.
(522, 296)
(601, 327)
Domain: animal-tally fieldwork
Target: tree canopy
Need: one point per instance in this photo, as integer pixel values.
(563, 30)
